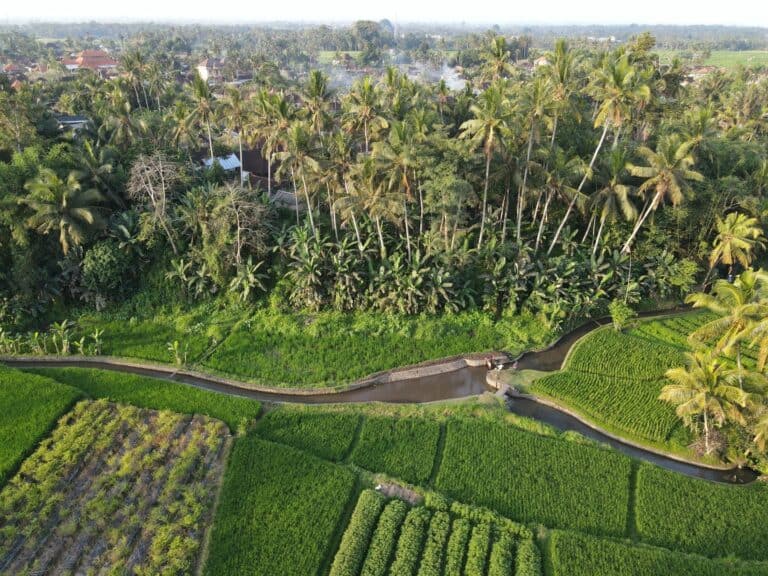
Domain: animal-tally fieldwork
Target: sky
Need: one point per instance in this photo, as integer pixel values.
(733, 12)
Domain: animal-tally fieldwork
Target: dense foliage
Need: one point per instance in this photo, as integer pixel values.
(30, 406)
(156, 394)
(278, 512)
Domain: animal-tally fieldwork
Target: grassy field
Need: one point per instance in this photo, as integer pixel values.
(573, 554)
(327, 56)
(278, 512)
(702, 517)
(535, 479)
(114, 485)
(157, 394)
(729, 59)
(30, 406)
(614, 379)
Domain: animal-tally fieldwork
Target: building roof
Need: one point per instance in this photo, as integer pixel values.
(231, 162)
(211, 63)
(92, 59)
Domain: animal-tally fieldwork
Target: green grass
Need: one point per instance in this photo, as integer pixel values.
(332, 349)
(535, 479)
(30, 406)
(327, 56)
(278, 512)
(615, 378)
(729, 59)
(402, 447)
(326, 434)
(157, 394)
(697, 516)
(573, 554)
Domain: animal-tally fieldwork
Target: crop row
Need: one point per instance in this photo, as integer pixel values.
(326, 434)
(113, 485)
(428, 541)
(278, 511)
(30, 406)
(156, 394)
(629, 406)
(535, 479)
(574, 554)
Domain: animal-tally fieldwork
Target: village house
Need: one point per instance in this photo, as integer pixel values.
(211, 70)
(96, 60)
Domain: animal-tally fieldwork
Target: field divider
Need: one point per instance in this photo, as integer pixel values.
(347, 459)
(438, 455)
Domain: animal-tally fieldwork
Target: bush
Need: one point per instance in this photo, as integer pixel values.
(107, 269)
(621, 314)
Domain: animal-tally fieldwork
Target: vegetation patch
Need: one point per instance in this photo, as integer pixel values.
(113, 486)
(326, 434)
(694, 515)
(401, 447)
(156, 394)
(30, 406)
(535, 479)
(574, 554)
(278, 512)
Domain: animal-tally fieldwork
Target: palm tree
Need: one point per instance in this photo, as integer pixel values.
(299, 158)
(203, 110)
(271, 121)
(62, 205)
(396, 160)
(180, 126)
(362, 110)
(760, 431)
(561, 68)
(497, 60)
(317, 97)
(737, 236)
(739, 306)
(612, 198)
(234, 111)
(491, 115)
(120, 128)
(619, 88)
(97, 164)
(705, 388)
(666, 176)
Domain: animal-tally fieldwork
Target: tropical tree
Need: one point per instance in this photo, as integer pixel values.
(361, 110)
(299, 158)
(738, 306)
(705, 388)
(667, 174)
(618, 88)
(203, 111)
(62, 205)
(737, 237)
(491, 115)
(561, 68)
(234, 110)
(612, 198)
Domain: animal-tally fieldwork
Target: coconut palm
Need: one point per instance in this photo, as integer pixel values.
(64, 206)
(497, 57)
(705, 387)
(203, 107)
(561, 69)
(180, 127)
(668, 171)
(235, 113)
(299, 158)
(317, 97)
(760, 431)
(361, 110)
(618, 88)
(613, 197)
(737, 236)
(491, 115)
(739, 307)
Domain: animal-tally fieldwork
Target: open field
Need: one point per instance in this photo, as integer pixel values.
(729, 59)
(113, 486)
(157, 394)
(30, 406)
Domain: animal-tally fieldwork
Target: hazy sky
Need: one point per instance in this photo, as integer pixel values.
(732, 12)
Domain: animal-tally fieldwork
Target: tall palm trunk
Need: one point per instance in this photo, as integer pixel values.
(543, 220)
(589, 228)
(240, 144)
(599, 234)
(407, 228)
(210, 139)
(706, 432)
(381, 237)
(554, 132)
(485, 199)
(578, 190)
(521, 196)
(504, 215)
(646, 212)
(309, 205)
(269, 175)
